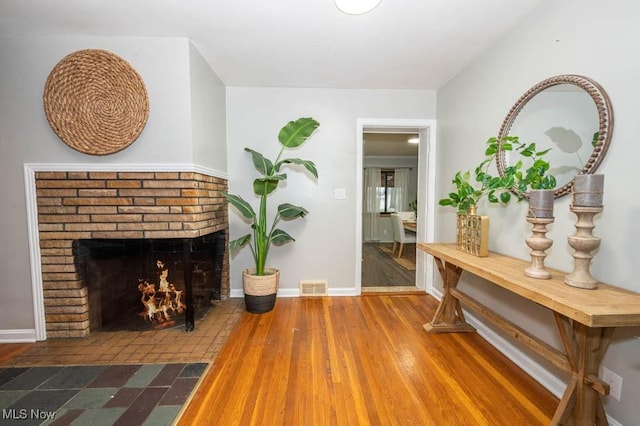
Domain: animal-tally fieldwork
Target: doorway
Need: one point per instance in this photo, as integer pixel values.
(425, 130)
(390, 182)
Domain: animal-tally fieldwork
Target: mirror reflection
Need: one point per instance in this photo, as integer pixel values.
(571, 115)
(565, 119)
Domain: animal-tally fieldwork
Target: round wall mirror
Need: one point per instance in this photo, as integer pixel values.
(570, 114)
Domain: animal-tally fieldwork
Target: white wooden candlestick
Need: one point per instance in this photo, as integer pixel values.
(583, 242)
(538, 243)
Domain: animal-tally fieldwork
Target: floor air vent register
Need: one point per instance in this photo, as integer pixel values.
(313, 288)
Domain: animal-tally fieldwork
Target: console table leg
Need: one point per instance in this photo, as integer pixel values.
(585, 346)
(449, 316)
(567, 403)
(594, 343)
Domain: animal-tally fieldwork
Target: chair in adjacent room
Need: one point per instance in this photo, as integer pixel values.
(400, 235)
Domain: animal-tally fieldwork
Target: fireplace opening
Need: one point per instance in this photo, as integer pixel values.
(147, 284)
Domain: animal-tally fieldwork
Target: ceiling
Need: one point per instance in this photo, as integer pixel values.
(389, 145)
(402, 44)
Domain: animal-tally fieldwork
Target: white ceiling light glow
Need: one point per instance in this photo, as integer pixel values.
(357, 7)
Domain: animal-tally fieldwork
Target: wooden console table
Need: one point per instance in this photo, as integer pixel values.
(586, 320)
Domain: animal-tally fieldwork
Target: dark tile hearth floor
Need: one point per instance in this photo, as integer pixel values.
(129, 394)
(115, 377)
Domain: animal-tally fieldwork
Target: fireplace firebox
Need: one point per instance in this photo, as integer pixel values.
(142, 284)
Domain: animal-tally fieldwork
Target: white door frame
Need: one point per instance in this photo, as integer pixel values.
(426, 192)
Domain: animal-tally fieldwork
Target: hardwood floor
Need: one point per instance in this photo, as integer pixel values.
(361, 361)
(380, 270)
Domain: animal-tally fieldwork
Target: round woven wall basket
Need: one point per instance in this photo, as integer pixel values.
(96, 102)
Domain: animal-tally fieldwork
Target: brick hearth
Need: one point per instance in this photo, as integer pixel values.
(86, 205)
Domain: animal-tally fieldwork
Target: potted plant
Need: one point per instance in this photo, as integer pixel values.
(534, 183)
(413, 205)
(497, 189)
(260, 283)
(472, 231)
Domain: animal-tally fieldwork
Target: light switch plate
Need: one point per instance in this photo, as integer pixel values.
(340, 194)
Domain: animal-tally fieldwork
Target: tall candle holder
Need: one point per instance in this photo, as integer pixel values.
(586, 203)
(583, 242)
(538, 243)
(540, 215)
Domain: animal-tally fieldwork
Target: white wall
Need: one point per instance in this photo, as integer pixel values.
(597, 39)
(208, 114)
(25, 135)
(325, 239)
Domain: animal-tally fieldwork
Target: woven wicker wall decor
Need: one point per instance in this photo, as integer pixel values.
(96, 102)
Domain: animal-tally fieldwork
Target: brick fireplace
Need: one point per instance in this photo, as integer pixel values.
(81, 205)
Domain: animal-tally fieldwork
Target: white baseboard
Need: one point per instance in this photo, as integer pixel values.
(350, 291)
(288, 292)
(236, 293)
(18, 336)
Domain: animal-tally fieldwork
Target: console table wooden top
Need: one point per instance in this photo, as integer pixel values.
(606, 306)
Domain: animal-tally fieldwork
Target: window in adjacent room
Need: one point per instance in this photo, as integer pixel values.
(386, 192)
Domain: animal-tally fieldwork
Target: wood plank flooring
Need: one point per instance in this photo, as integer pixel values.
(361, 361)
(379, 270)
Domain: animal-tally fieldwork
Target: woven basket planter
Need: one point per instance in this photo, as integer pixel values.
(95, 102)
(260, 290)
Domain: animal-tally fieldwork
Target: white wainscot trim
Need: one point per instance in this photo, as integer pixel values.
(18, 336)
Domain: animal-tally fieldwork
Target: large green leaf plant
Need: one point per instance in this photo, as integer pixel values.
(264, 234)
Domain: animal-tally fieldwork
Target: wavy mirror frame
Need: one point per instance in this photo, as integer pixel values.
(605, 119)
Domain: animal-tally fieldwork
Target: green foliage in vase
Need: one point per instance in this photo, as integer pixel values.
(499, 189)
(536, 175)
(468, 193)
(292, 135)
